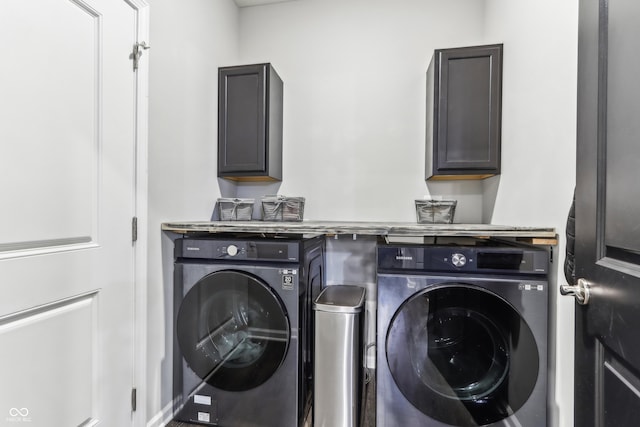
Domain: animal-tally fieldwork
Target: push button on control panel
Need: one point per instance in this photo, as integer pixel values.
(232, 250)
(458, 260)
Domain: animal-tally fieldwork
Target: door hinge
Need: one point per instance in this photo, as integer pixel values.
(134, 229)
(134, 399)
(137, 53)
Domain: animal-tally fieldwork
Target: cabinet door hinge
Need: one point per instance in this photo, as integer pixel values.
(137, 53)
(134, 229)
(134, 399)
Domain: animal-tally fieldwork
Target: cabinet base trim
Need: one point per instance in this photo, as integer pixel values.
(458, 177)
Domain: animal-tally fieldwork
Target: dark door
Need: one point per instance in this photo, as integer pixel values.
(607, 366)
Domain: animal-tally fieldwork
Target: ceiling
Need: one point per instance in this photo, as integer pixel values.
(245, 3)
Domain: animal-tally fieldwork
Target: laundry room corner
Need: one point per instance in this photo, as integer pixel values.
(189, 43)
(539, 153)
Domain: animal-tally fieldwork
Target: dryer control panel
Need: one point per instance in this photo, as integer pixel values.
(468, 259)
(237, 249)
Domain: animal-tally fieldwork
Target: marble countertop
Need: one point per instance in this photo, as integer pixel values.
(541, 235)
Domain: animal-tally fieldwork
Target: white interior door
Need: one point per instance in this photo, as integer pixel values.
(68, 168)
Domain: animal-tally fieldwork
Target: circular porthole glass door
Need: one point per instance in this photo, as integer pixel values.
(462, 355)
(233, 330)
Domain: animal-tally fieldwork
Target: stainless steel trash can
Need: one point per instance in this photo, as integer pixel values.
(338, 356)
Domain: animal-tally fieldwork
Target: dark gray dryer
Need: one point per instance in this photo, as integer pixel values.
(243, 329)
(462, 335)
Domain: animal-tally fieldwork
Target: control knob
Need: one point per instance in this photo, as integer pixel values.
(232, 250)
(458, 260)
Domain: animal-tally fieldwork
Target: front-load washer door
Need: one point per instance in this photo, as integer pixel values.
(462, 355)
(233, 330)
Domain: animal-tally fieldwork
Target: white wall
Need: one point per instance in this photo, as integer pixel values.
(539, 149)
(189, 41)
(354, 75)
(354, 124)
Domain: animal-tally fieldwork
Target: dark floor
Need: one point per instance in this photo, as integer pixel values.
(368, 411)
(368, 416)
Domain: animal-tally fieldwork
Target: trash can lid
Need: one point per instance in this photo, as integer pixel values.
(340, 299)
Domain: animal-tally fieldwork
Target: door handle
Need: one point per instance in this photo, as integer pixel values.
(580, 290)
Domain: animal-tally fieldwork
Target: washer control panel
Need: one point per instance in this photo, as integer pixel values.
(441, 258)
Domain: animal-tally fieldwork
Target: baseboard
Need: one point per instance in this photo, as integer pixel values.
(161, 419)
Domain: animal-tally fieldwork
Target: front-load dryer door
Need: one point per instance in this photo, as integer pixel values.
(233, 330)
(462, 355)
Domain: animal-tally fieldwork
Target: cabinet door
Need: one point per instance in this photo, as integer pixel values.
(464, 126)
(241, 123)
(250, 123)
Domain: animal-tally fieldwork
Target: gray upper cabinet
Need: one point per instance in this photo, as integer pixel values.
(250, 123)
(464, 109)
